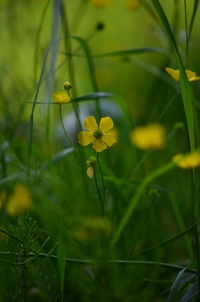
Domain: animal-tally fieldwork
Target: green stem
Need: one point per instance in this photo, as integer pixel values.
(186, 32)
(99, 194)
(102, 177)
(63, 126)
(167, 241)
(115, 261)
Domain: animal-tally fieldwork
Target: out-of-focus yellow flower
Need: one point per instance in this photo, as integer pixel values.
(20, 201)
(81, 234)
(102, 136)
(187, 161)
(3, 195)
(97, 224)
(175, 74)
(100, 3)
(133, 4)
(150, 137)
(91, 227)
(61, 97)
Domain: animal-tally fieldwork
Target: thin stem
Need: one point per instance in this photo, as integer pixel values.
(186, 31)
(75, 110)
(165, 242)
(10, 235)
(63, 126)
(37, 38)
(71, 69)
(102, 177)
(99, 194)
(109, 261)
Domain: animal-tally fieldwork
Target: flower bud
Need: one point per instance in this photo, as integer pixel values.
(67, 85)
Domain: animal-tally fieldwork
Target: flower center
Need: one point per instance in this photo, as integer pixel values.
(97, 134)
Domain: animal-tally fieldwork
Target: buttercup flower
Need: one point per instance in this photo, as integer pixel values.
(20, 200)
(61, 97)
(188, 161)
(133, 4)
(102, 136)
(175, 74)
(149, 137)
(100, 3)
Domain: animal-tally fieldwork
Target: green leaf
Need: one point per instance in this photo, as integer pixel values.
(185, 86)
(83, 98)
(194, 12)
(130, 52)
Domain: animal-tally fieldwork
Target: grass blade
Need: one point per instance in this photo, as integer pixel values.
(130, 52)
(176, 284)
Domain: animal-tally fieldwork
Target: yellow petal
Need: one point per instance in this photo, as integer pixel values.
(174, 73)
(84, 138)
(106, 123)
(90, 123)
(61, 97)
(110, 137)
(99, 145)
(191, 75)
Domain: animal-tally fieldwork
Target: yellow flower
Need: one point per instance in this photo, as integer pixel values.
(175, 74)
(101, 137)
(20, 200)
(61, 97)
(133, 4)
(100, 3)
(187, 161)
(149, 137)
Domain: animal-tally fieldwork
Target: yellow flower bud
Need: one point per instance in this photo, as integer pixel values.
(67, 85)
